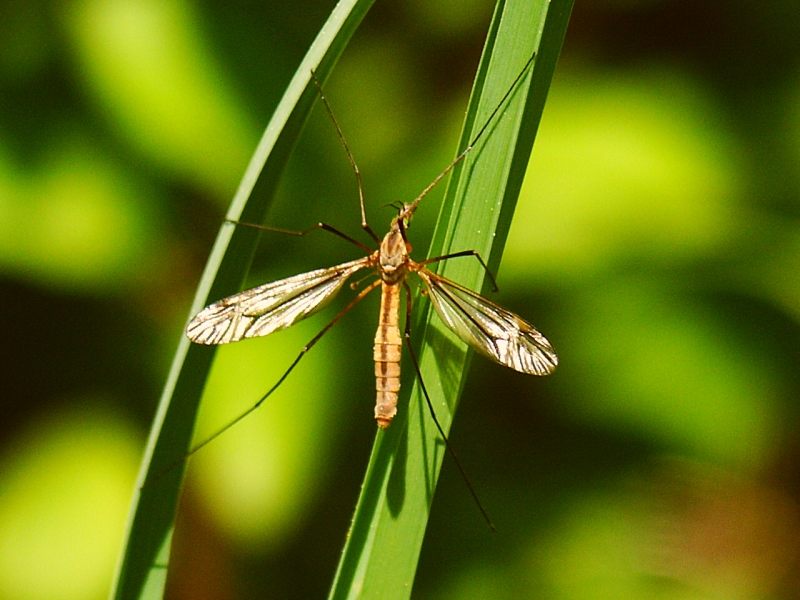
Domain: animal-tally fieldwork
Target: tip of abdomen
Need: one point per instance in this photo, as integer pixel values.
(385, 408)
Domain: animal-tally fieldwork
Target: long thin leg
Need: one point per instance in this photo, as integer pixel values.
(364, 225)
(448, 445)
(277, 384)
(474, 253)
(413, 205)
(302, 232)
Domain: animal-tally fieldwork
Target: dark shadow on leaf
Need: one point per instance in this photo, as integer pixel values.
(396, 487)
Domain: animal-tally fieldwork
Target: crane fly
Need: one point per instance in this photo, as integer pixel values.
(488, 328)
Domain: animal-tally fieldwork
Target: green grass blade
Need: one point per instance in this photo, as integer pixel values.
(382, 550)
(142, 569)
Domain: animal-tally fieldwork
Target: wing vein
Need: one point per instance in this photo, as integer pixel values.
(262, 310)
(492, 330)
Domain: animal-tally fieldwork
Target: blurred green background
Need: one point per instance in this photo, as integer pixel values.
(656, 244)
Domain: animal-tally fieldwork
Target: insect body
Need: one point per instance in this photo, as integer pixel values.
(491, 330)
(485, 326)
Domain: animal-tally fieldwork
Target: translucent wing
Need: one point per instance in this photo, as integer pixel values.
(493, 331)
(261, 310)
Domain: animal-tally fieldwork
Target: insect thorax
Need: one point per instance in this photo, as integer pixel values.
(393, 255)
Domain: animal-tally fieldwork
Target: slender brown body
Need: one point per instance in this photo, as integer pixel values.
(393, 264)
(386, 352)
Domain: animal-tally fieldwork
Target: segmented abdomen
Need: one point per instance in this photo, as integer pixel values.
(386, 353)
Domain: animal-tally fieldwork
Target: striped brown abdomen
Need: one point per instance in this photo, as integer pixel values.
(386, 353)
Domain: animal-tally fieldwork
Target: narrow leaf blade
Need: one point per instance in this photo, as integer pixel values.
(142, 569)
(382, 550)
